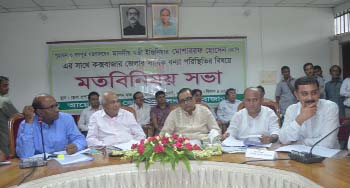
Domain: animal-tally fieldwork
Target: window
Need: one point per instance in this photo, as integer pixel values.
(341, 22)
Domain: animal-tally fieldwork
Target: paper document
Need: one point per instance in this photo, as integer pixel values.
(251, 140)
(194, 141)
(226, 149)
(70, 159)
(77, 153)
(318, 150)
(127, 145)
(232, 142)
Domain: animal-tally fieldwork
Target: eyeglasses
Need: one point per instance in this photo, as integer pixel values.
(140, 98)
(54, 106)
(186, 100)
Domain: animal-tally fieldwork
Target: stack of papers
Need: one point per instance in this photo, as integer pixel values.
(70, 159)
(318, 150)
(252, 140)
(126, 146)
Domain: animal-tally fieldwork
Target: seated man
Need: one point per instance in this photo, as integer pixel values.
(254, 119)
(142, 110)
(309, 120)
(112, 125)
(58, 129)
(197, 95)
(227, 108)
(85, 115)
(191, 120)
(160, 112)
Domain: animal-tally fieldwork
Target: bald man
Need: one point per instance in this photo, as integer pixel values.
(112, 125)
(254, 119)
(59, 129)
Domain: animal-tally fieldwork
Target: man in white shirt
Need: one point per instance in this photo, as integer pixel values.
(142, 110)
(191, 120)
(85, 115)
(227, 108)
(312, 118)
(112, 125)
(254, 119)
(345, 92)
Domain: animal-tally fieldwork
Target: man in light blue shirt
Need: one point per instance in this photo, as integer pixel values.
(59, 129)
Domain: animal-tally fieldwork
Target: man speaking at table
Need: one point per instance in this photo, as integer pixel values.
(59, 130)
(312, 118)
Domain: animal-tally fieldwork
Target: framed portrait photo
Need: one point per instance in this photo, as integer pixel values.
(133, 19)
(165, 20)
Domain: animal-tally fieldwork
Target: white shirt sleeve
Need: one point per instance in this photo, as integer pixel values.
(345, 88)
(290, 129)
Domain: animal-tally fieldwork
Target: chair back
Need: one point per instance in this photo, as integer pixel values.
(13, 126)
(128, 108)
(344, 131)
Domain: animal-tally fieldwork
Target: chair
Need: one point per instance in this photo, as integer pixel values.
(128, 108)
(76, 118)
(148, 129)
(13, 126)
(344, 131)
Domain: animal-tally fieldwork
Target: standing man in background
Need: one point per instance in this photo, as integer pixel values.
(345, 93)
(6, 111)
(285, 90)
(85, 115)
(309, 72)
(333, 89)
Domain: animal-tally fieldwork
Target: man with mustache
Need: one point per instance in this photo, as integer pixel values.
(134, 28)
(312, 118)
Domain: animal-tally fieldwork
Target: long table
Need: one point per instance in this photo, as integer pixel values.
(331, 173)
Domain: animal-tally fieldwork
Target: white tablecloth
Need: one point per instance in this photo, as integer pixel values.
(204, 174)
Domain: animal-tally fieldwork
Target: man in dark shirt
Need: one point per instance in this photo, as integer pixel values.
(134, 28)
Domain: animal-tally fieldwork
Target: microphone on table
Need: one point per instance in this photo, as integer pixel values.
(37, 161)
(308, 157)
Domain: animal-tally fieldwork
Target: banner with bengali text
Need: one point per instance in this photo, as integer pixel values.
(212, 65)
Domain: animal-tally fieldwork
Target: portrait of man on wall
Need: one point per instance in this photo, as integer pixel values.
(133, 20)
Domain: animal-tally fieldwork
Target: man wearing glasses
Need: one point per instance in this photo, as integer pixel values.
(191, 120)
(142, 110)
(112, 125)
(58, 129)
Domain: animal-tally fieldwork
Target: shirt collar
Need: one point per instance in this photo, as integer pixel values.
(104, 114)
(99, 108)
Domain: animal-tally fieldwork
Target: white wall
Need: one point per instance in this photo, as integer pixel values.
(276, 37)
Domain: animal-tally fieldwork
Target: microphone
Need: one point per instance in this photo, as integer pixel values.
(308, 158)
(38, 161)
(40, 121)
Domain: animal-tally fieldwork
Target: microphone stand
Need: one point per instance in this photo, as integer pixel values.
(42, 138)
(323, 139)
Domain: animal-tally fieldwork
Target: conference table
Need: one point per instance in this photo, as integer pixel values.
(331, 173)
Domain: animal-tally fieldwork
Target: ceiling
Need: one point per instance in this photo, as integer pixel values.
(7, 6)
